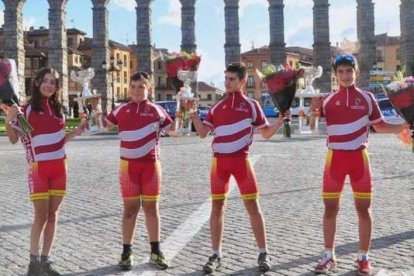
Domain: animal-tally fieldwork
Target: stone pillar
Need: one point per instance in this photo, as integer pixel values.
(321, 44)
(14, 39)
(101, 53)
(232, 45)
(57, 45)
(277, 49)
(144, 39)
(407, 36)
(188, 26)
(366, 40)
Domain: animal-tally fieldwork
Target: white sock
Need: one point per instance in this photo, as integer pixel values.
(218, 253)
(263, 250)
(363, 256)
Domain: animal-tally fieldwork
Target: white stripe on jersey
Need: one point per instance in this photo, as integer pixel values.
(134, 135)
(47, 139)
(345, 129)
(234, 146)
(350, 145)
(233, 128)
(138, 152)
(53, 155)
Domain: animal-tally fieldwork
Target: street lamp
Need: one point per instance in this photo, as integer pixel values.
(114, 66)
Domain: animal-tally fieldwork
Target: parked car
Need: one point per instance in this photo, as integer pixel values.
(390, 114)
(169, 106)
(268, 106)
(203, 111)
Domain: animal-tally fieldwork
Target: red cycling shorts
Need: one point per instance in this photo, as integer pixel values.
(222, 167)
(47, 178)
(355, 164)
(140, 179)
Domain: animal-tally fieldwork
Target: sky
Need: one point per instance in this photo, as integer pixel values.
(253, 16)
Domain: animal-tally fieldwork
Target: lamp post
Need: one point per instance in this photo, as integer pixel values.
(114, 66)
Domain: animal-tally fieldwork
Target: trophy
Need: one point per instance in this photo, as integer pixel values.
(91, 100)
(309, 119)
(183, 121)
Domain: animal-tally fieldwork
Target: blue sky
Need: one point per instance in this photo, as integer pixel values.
(253, 16)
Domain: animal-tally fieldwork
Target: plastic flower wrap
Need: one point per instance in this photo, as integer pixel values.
(183, 61)
(9, 89)
(281, 83)
(401, 94)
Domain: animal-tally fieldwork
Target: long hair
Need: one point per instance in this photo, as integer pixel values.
(36, 100)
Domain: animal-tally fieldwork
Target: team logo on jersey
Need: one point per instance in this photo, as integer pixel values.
(242, 108)
(337, 103)
(357, 105)
(224, 106)
(128, 110)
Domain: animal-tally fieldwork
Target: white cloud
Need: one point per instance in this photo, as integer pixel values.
(298, 3)
(1, 18)
(129, 5)
(343, 26)
(29, 22)
(387, 17)
(211, 68)
(299, 33)
(173, 15)
(244, 4)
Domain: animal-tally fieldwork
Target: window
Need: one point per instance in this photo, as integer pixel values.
(169, 97)
(159, 82)
(125, 59)
(290, 63)
(264, 63)
(250, 94)
(125, 77)
(28, 63)
(70, 41)
(398, 53)
(250, 81)
(35, 63)
(380, 55)
(159, 63)
(249, 64)
(209, 97)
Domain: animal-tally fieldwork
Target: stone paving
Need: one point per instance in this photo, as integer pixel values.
(289, 174)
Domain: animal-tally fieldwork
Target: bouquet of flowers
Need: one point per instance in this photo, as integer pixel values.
(401, 94)
(281, 83)
(9, 87)
(183, 61)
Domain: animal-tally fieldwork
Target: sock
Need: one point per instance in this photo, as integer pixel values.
(44, 259)
(263, 250)
(127, 249)
(362, 255)
(34, 258)
(218, 253)
(329, 253)
(155, 247)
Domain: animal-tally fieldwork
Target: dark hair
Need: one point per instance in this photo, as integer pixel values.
(141, 76)
(36, 100)
(238, 68)
(345, 59)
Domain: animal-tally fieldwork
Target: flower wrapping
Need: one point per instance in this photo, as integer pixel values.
(281, 83)
(401, 94)
(183, 61)
(9, 87)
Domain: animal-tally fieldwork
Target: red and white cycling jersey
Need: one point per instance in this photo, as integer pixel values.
(139, 129)
(233, 120)
(349, 113)
(47, 140)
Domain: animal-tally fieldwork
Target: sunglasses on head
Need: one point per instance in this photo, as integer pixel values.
(345, 59)
(144, 75)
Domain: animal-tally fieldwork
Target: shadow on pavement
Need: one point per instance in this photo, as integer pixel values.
(345, 249)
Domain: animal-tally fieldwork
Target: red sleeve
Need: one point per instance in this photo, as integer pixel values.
(209, 120)
(322, 114)
(167, 119)
(376, 115)
(260, 120)
(112, 118)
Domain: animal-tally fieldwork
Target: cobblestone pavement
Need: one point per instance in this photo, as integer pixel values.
(289, 174)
